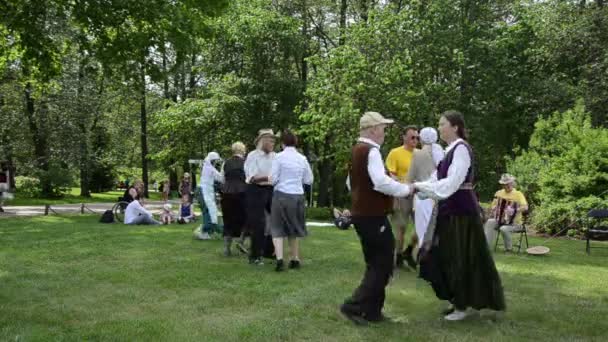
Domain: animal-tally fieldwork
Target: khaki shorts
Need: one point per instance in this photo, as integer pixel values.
(403, 211)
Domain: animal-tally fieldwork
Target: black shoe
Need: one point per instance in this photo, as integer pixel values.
(280, 267)
(294, 264)
(353, 316)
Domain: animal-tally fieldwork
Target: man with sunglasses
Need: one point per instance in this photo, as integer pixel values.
(398, 164)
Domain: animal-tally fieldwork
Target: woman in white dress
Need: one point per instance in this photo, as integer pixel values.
(423, 166)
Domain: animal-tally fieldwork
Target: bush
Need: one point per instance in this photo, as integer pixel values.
(319, 214)
(58, 178)
(564, 172)
(27, 186)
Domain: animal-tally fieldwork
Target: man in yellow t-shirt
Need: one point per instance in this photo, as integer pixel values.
(512, 203)
(398, 164)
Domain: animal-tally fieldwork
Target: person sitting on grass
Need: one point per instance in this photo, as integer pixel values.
(342, 219)
(137, 214)
(186, 214)
(166, 216)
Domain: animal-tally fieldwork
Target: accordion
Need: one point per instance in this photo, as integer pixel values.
(505, 211)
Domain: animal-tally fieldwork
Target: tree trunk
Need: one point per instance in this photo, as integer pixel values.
(343, 8)
(173, 179)
(166, 93)
(326, 166)
(466, 77)
(323, 199)
(192, 78)
(85, 191)
(39, 138)
(144, 127)
(364, 10)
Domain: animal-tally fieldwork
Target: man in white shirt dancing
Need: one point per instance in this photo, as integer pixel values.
(372, 193)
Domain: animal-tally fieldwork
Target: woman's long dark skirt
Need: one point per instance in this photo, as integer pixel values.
(234, 213)
(460, 267)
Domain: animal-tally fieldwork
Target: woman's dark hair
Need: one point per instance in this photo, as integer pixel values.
(455, 118)
(289, 139)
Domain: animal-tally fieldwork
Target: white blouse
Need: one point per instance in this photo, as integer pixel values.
(258, 163)
(290, 170)
(134, 209)
(377, 173)
(457, 172)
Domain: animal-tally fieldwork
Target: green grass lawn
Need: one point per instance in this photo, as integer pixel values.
(73, 197)
(71, 278)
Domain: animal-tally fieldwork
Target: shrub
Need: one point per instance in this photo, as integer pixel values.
(564, 172)
(27, 186)
(319, 214)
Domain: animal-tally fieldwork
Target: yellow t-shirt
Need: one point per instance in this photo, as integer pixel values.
(398, 162)
(514, 196)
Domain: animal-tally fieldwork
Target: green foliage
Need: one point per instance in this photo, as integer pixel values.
(27, 186)
(319, 214)
(564, 172)
(58, 177)
(207, 73)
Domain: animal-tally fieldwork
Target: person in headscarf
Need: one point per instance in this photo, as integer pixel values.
(424, 164)
(209, 176)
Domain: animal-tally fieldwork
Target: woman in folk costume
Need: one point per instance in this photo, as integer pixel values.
(458, 264)
(209, 176)
(423, 166)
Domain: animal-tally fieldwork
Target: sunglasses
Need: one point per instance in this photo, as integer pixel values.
(415, 138)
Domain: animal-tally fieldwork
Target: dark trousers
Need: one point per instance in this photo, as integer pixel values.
(378, 245)
(259, 201)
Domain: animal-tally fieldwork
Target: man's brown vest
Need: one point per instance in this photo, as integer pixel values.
(365, 200)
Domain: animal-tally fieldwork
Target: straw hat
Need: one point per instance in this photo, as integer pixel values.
(371, 119)
(506, 179)
(264, 132)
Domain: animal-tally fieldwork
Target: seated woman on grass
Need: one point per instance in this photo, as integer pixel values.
(186, 214)
(342, 219)
(137, 214)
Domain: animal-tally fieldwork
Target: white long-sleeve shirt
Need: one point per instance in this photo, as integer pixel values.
(290, 170)
(209, 175)
(258, 164)
(457, 172)
(377, 173)
(135, 209)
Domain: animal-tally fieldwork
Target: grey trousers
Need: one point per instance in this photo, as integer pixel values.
(491, 229)
(144, 219)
